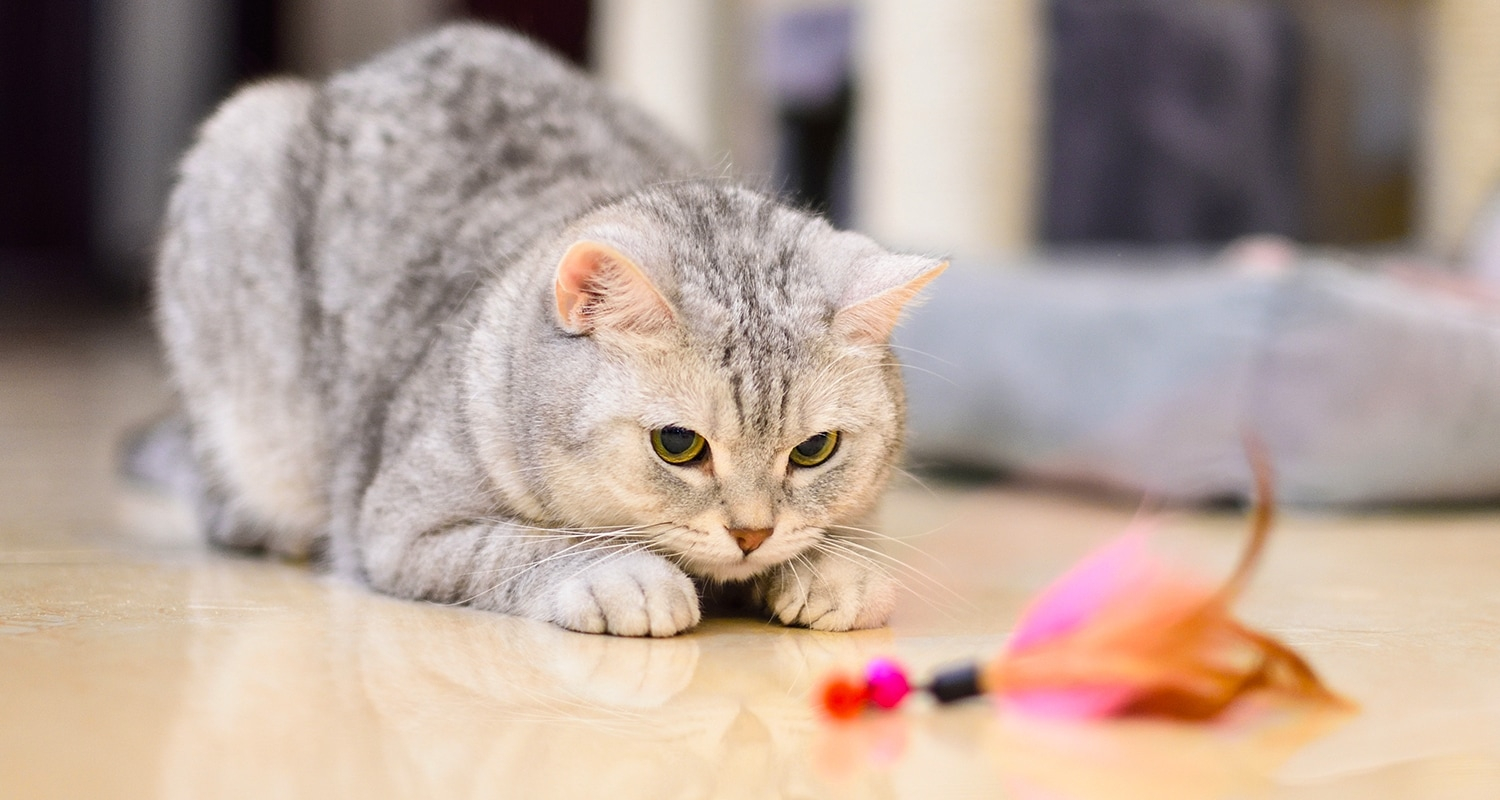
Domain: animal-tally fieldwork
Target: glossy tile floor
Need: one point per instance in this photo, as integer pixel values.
(135, 663)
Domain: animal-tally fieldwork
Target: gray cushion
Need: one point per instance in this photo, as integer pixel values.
(1365, 390)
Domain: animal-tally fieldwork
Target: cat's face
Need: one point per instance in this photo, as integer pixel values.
(720, 385)
(712, 453)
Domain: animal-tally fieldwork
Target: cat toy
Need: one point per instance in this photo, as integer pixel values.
(1120, 634)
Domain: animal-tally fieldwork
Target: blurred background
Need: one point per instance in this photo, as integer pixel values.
(975, 128)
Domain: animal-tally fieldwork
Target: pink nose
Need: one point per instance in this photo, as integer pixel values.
(748, 539)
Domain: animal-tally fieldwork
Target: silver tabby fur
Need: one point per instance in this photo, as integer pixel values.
(356, 291)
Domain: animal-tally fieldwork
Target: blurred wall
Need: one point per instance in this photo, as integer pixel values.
(44, 164)
(320, 36)
(162, 64)
(1170, 122)
(1401, 105)
(1361, 97)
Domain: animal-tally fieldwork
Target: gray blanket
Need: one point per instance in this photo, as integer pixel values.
(1365, 389)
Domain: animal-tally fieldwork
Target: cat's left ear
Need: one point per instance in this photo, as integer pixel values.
(599, 287)
(873, 306)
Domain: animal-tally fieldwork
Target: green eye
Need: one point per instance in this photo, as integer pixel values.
(816, 449)
(677, 445)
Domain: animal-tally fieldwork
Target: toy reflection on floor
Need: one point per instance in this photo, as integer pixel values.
(1121, 634)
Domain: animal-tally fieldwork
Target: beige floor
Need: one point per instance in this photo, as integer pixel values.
(134, 664)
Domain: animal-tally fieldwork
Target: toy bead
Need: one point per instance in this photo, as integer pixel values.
(887, 683)
(842, 697)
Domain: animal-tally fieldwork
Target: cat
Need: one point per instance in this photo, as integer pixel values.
(472, 330)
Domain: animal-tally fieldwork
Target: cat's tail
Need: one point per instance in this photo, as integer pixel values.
(157, 456)
(160, 479)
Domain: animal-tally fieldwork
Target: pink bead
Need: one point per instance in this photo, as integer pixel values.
(887, 683)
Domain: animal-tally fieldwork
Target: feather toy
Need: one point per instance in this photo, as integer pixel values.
(1122, 633)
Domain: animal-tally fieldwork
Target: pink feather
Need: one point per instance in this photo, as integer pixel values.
(1124, 633)
(1102, 577)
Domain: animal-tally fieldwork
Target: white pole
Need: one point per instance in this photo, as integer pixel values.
(670, 57)
(947, 123)
(1461, 137)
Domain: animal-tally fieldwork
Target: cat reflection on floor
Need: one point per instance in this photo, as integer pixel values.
(479, 332)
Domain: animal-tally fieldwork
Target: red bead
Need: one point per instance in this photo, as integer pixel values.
(887, 683)
(843, 698)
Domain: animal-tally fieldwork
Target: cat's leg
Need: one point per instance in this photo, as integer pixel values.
(231, 308)
(429, 523)
(425, 528)
(828, 591)
(629, 594)
(594, 583)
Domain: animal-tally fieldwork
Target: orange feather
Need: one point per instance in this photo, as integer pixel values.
(1123, 633)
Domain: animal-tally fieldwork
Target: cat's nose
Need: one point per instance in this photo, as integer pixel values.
(749, 538)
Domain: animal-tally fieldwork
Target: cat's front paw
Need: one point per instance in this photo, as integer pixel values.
(636, 594)
(829, 593)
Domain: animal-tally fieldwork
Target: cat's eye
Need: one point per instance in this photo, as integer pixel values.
(816, 449)
(677, 445)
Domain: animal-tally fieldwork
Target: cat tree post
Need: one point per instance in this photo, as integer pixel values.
(1461, 137)
(947, 123)
(673, 58)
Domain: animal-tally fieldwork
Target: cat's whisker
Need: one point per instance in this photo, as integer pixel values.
(521, 569)
(797, 576)
(503, 575)
(915, 351)
(885, 566)
(612, 553)
(948, 379)
(601, 531)
(669, 544)
(830, 391)
(911, 476)
(877, 553)
(872, 555)
(881, 366)
(880, 349)
(603, 539)
(725, 166)
(872, 535)
(790, 565)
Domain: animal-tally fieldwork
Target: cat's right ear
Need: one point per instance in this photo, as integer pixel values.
(885, 288)
(598, 287)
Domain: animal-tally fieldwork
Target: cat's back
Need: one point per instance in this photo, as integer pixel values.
(442, 160)
(323, 238)
(476, 115)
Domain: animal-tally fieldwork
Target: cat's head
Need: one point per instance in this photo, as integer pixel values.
(712, 371)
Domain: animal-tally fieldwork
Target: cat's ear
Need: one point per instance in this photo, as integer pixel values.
(872, 306)
(599, 287)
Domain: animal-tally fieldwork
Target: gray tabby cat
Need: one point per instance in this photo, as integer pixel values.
(482, 333)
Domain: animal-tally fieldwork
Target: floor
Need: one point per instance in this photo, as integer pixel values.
(136, 663)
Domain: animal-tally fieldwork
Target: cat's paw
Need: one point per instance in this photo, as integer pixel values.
(637, 594)
(829, 593)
